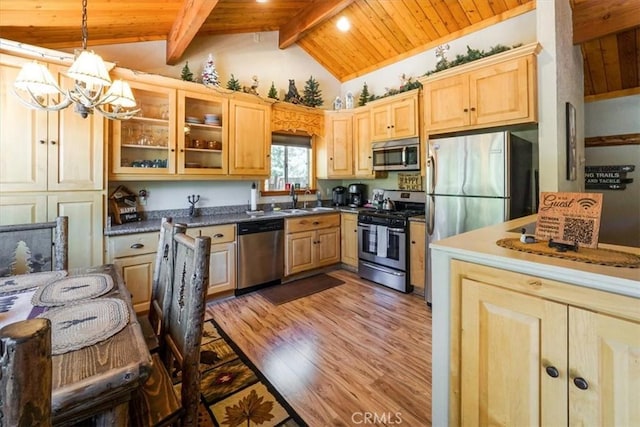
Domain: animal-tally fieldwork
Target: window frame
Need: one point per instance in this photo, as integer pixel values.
(312, 175)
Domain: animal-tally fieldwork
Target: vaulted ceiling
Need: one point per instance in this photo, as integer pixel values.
(382, 31)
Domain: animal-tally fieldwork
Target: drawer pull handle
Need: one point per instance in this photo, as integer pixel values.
(137, 246)
(581, 383)
(552, 371)
(535, 283)
(316, 222)
(218, 235)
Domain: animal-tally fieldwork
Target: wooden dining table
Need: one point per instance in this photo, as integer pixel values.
(96, 383)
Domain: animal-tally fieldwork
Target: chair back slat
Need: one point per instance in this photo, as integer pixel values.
(31, 248)
(26, 373)
(163, 275)
(186, 316)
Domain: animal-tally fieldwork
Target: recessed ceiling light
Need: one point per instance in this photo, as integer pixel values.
(343, 24)
(261, 1)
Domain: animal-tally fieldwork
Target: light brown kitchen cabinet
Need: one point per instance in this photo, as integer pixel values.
(338, 150)
(145, 145)
(349, 239)
(222, 263)
(362, 153)
(498, 90)
(311, 241)
(202, 144)
(134, 255)
(46, 151)
(395, 117)
(417, 256)
(249, 138)
(570, 355)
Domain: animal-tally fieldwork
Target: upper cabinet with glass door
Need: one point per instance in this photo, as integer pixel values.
(201, 135)
(146, 143)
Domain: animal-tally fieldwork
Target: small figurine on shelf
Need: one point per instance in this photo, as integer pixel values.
(186, 75)
(348, 100)
(273, 92)
(209, 73)
(292, 95)
(233, 84)
(337, 104)
(312, 93)
(254, 86)
(364, 95)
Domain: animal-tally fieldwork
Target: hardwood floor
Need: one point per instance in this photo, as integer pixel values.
(355, 354)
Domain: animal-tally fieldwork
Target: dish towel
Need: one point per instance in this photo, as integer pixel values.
(373, 241)
(381, 231)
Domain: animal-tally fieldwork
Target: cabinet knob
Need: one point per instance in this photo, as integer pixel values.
(355, 231)
(581, 383)
(268, 155)
(42, 141)
(172, 150)
(137, 246)
(473, 108)
(466, 110)
(552, 371)
(53, 142)
(413, 242)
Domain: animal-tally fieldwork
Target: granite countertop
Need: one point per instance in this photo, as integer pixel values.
(153, 225)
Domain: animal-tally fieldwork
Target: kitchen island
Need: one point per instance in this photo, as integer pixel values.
(519, 339)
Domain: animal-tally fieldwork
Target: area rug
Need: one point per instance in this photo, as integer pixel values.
(233, 392)
(286, 292)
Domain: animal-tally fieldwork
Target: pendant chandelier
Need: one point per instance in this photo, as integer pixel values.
(36, 87)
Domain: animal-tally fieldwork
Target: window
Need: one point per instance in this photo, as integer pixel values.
(291, 160)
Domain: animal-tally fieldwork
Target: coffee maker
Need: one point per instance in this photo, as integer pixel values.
(357, 195)
(339, 196)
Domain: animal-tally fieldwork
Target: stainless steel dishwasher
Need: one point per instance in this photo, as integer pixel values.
(260, 253)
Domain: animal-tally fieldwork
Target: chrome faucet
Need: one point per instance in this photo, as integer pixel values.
(294, 197)
(307, 191)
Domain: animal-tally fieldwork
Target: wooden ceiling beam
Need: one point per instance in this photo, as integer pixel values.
(593, 19)
(185, 27)
(314, 14)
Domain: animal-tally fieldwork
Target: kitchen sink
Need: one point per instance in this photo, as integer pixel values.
(320, 209)
(294, 211)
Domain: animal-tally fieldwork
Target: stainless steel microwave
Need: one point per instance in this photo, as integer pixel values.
(399, 155)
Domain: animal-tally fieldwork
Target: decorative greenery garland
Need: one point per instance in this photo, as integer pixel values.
(472, 55)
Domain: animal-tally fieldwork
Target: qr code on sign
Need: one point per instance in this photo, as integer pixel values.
(578, 230)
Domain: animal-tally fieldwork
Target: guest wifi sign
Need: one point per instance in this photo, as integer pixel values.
(570, 218)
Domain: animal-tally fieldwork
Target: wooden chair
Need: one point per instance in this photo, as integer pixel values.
(26, 379)
(153, 323)
(179, 357)
(31, 248)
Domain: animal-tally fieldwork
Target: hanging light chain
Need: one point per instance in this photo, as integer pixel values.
(85, 31)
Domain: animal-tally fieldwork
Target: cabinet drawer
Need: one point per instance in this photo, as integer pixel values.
(218, 233)
(312, 222)
(133, 244)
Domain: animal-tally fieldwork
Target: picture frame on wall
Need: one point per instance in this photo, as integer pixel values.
(572, 143)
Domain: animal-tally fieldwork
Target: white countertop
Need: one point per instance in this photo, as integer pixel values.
(480, 246)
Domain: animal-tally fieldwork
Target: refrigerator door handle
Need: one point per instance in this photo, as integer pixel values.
(430, 209)
(431, 174)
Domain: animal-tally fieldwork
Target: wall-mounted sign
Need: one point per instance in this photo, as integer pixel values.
(570, 218)
(607, 177)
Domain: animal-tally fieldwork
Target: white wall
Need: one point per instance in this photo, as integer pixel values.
(560, 80)
(243, 55)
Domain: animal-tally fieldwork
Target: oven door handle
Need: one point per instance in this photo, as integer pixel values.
(379, 268)
(396, 230)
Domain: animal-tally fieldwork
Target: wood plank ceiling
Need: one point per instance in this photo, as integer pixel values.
(382, 31)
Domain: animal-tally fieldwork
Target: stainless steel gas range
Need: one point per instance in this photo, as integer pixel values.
(383, 240)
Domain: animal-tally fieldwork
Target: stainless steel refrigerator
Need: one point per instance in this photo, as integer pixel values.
(475, 181)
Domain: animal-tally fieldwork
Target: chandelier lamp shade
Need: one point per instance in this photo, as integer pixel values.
(93, 89)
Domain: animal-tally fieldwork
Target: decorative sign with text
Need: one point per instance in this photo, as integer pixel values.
(570, 218)
(607, 177)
